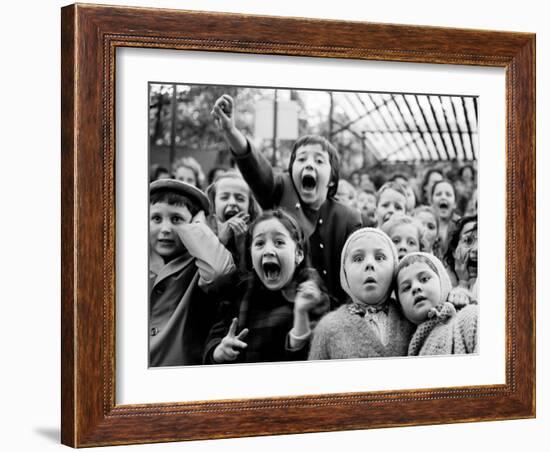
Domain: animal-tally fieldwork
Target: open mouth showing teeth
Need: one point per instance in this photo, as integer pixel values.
(309, 182)
(272, 270)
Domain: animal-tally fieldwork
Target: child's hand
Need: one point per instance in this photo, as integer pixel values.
(460, 297)
(308, 296)
(231, 345)
(200, 217)
(461, 265)
(236, 226)
(223, 112)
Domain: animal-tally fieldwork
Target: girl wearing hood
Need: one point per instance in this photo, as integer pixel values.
(371, 324)
(423, 287)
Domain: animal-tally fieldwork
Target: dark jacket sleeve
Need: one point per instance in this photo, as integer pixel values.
(265, 183)
(226, 312)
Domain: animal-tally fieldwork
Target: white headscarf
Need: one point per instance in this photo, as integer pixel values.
(360, 233)
(444, 280)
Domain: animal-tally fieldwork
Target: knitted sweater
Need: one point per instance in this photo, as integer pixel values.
(341, 334)
(449, 333)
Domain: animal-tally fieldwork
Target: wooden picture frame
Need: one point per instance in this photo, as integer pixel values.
(90, 36)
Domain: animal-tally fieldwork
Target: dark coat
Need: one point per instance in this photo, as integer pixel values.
(327, 228)
(269, 317)
(182, 306)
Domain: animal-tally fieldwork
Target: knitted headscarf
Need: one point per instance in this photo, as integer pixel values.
(361, 233)
(444, 280)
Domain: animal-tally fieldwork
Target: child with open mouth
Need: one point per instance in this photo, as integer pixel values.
(462, 261)
(307, 191)
(444, 204)
(423, 287)
(272, 312)
(234, 209)
(371, 324)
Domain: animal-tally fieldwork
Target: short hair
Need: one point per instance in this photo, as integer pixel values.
(399, 219)
(213, 171)
(391, 185)
(334, 158)
(193, 165)
(172, 198)
(156, 171)
(427, 209)
(446, 181)
(455, 238)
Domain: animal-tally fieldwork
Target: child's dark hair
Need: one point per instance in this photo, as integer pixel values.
(156, 171)
(172, 198)
(293, 228)
(425, 182)
(464, 168)
(213, 171)
(455, 238)
(442, 181)
(333, 156)
(396, 176)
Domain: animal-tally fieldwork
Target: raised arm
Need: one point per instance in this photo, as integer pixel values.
(256, 170)
(224, 115)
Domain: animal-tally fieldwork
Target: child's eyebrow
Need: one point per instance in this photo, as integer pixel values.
(405, 281)
(472, 229)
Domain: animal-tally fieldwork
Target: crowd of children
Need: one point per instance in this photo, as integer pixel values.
(266, 265)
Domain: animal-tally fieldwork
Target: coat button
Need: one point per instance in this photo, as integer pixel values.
(324, 272)
(321, 245)
(297, 205)
(154, 331)
(320, 221)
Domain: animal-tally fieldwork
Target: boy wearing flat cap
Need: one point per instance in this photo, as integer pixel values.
(186, 260)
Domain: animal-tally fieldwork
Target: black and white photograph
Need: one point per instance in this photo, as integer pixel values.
(293, 224)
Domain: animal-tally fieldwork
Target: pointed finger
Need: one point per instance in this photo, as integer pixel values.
(238, 345)
(233, 327)
(242, 335)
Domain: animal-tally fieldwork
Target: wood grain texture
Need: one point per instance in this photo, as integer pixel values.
(90, 36)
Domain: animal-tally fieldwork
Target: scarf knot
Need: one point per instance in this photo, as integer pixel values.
(362, 311)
